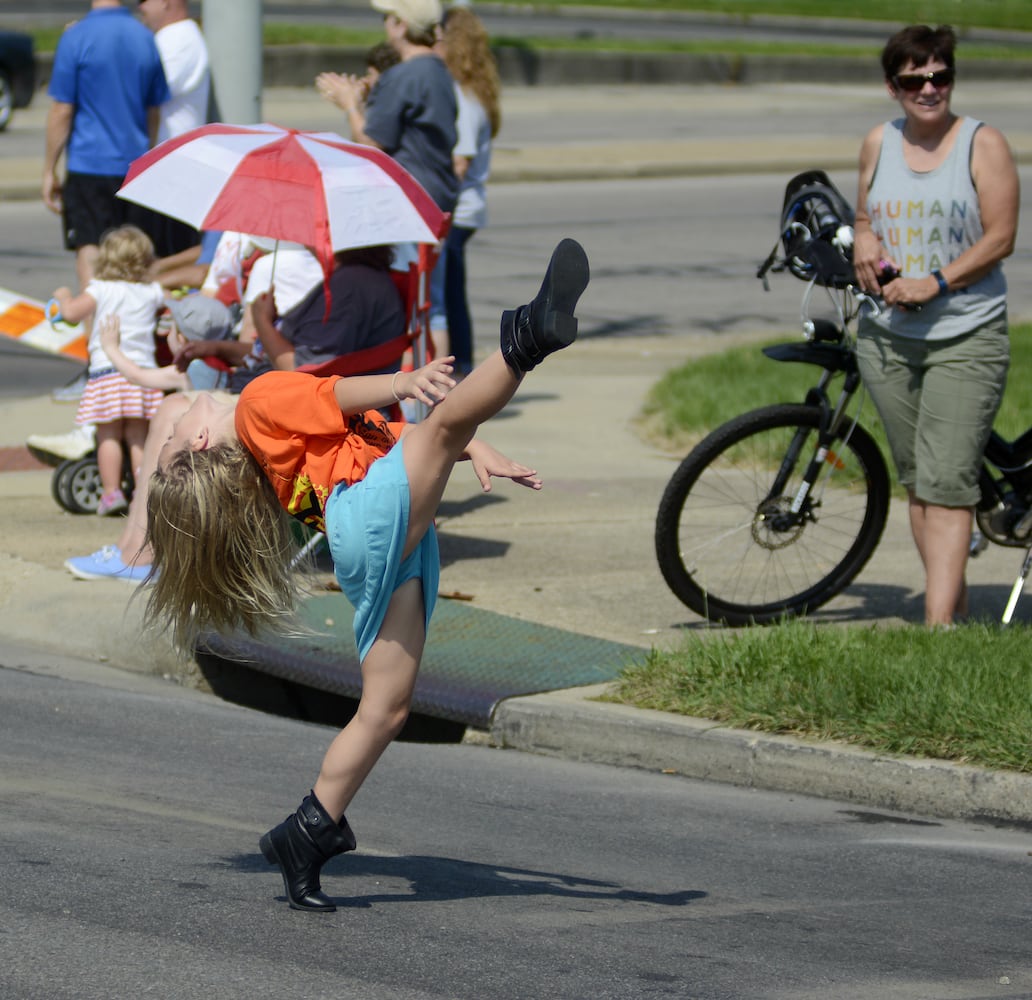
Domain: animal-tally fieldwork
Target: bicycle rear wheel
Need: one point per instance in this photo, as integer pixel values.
(729, 545)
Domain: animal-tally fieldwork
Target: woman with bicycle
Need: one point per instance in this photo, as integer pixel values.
(937, 213)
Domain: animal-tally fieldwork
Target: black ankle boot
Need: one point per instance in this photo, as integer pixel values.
(300, 846)
(547, 324)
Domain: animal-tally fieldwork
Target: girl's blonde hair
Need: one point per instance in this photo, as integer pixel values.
(124, 254)
(471, 62)
(222, 546)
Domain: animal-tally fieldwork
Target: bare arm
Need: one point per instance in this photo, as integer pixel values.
(166, 378)
(867, 248)
(429, 384)
(999, 199)
(348, 94)
(278, 349)
(59, 127)
(460, 165)
(153, 122)
(74, 308)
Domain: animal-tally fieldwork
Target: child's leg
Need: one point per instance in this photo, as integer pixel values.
(318, 831)
(388, 678)
(110, 455)
(135, 436)
(528, 334)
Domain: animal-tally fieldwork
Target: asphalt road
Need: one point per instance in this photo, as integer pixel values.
(131, 810)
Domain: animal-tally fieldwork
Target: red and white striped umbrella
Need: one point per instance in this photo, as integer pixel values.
(313, 188)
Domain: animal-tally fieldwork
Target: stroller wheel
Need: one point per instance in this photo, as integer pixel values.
(59, 481)
(77, 485)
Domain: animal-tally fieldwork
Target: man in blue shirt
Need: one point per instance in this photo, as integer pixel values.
(106, 86)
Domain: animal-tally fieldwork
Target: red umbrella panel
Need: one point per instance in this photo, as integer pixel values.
(313, 188)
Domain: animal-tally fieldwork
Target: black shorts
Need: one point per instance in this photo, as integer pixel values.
(91, 208)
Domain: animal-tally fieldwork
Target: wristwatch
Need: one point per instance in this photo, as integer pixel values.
(944, 285)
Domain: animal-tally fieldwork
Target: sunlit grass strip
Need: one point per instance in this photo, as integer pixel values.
(700, 395)
(1014, 15)
(963, 695)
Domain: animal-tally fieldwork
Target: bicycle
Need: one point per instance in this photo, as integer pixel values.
(778, 510)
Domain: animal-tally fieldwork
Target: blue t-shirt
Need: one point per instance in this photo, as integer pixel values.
(107, 66)
(411, 114)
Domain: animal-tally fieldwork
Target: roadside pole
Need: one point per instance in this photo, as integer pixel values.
(233, 33)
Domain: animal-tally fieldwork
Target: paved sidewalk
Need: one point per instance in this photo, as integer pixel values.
(579, 555)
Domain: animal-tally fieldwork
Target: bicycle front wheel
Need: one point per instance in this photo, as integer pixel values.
(730, 543)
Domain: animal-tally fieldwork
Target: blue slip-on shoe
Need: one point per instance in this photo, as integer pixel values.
(106, 564)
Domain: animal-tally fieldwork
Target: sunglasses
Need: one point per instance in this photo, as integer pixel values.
(913, 82)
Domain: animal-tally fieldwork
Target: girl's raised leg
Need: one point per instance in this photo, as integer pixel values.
(528, 335)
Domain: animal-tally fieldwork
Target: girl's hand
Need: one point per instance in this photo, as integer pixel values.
(111, 334)
(429, 384)
(488, 462)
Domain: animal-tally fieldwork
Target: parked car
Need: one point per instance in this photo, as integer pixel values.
(17, 73)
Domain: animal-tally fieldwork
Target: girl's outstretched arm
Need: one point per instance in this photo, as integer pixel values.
(75, 308)
(488, 461)
(150, 378)
(429, 384)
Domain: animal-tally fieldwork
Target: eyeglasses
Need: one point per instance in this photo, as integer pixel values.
(912, 82)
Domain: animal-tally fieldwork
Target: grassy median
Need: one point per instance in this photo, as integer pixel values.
(963, 695)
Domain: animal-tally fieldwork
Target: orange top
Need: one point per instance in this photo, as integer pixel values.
(292, 423)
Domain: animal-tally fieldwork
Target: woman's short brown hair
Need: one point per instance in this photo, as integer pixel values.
(918, 44)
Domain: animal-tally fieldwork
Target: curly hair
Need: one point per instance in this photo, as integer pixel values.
(918, 44)
(124, 254)
(222, 546)
(471, 62)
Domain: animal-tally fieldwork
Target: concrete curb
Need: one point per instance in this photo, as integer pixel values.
(566, 724)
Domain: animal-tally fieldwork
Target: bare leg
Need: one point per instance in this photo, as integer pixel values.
(135, 437)
(303, 842)
(943, 538)
(109, 455)
(388, 677)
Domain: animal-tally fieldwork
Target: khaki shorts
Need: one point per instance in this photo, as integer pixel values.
(937, 400)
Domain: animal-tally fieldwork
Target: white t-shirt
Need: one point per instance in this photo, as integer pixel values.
(136, 304)
(184, 58)
(474, 141)
(292, 272)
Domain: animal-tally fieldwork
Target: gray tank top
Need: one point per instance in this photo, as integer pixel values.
(926, 220)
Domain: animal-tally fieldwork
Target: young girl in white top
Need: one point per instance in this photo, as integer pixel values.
(121, 411)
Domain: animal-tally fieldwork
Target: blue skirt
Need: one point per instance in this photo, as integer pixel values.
(366, 525)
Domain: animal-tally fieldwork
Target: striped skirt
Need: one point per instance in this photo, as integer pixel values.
(109, 396)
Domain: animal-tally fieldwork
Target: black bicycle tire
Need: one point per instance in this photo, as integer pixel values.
(720, 608)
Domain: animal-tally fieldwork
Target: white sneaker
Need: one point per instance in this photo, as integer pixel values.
(77, 443)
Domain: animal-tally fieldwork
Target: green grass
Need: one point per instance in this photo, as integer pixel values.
(1011, 15)
(690, 401)
(963, 695)
(1014, 15)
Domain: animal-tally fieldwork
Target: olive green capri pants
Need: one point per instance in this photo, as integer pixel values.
(937, 400)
